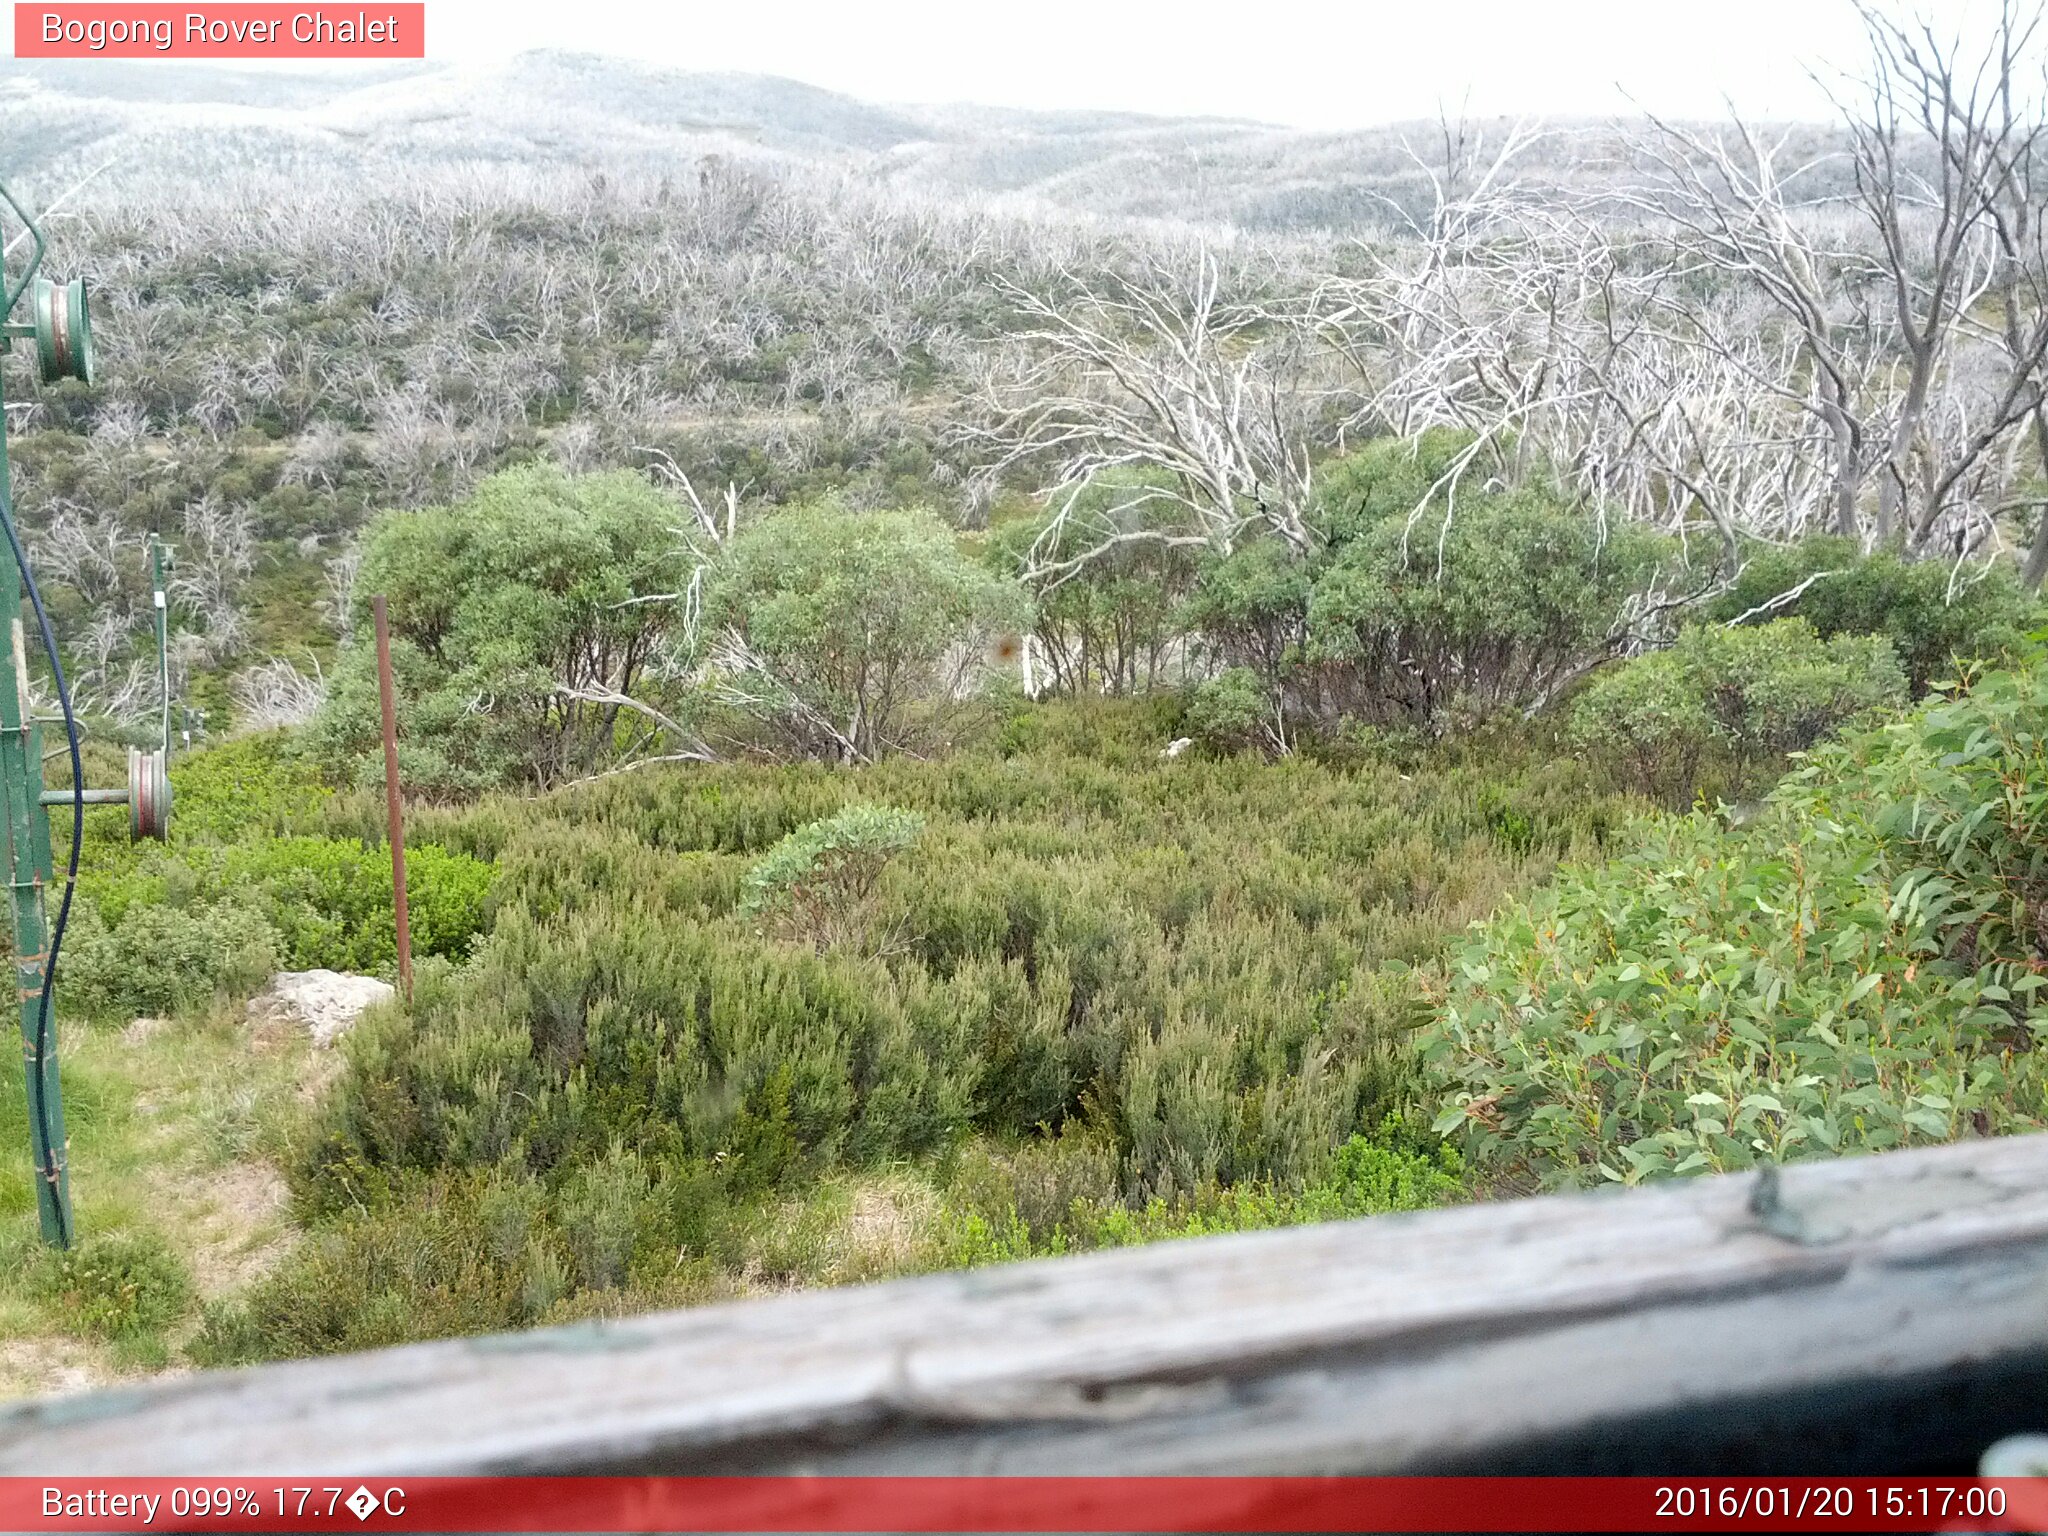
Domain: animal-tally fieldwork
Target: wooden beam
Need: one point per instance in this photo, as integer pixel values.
(1733, 1321)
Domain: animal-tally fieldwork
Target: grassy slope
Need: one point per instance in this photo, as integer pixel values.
(169, 1126)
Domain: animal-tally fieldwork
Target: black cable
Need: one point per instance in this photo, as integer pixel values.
(35, 597)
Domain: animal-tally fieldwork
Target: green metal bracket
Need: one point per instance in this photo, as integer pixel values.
(28, 867)
(61, 330)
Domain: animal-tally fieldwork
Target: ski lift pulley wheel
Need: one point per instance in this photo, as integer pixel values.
(149, 796)
(63, 331)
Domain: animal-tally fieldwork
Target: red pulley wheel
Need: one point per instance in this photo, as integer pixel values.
(149, 796)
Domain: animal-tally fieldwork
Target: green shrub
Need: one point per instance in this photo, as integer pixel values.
(1729, 706)
(173, 926)
(848, 621)
(1107, 616)
(1205, 961)
(121, 1285)
(1392, 1171)
(1935, 617)
(997, 1214)
(1040, 1181)
(1251, 607)
(1967, 791)
(1466, 610)
(600, 1213)
(1856, 969)
(1131, 999)
(617, 1023)
(330, 900)
(443, 1258)
(1233, 712)
(226, 791)
(818, 883)
(508, 611)
(1366, 1178)
(161, 959)
(1425, 609)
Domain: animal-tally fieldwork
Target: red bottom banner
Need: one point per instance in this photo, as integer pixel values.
(1018, 1504)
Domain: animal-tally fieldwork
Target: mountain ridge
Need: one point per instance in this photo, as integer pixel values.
(146, 127)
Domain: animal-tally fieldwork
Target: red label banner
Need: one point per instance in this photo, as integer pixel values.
(224, 31)
(1017, 1504)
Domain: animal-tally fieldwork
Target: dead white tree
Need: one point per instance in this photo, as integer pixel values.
(1556, 338)
(215, 558)
(1987, 116)
(1915, 297)
(276, 693)
(338, 589)
(317, 456)
(1158, 371)
(1436, 333)
(1741, 217)
(1934, 135)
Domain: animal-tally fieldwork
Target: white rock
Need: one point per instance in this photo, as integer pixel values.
(326, 1002)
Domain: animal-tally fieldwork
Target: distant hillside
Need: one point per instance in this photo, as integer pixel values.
(157, 125)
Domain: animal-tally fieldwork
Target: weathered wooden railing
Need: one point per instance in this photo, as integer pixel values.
(1878, 1314)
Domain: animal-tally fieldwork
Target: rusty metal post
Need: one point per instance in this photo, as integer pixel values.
(393, 801)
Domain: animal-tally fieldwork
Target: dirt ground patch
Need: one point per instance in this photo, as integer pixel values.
(51, 1363)
(887, 1227)
(243, 1212)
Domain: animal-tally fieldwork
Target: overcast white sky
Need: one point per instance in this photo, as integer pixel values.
(1328, 65)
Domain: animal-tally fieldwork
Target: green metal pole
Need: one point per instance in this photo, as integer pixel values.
(27, 837)
(163, 634)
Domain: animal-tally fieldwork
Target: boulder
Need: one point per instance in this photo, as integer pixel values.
(326, 1003)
